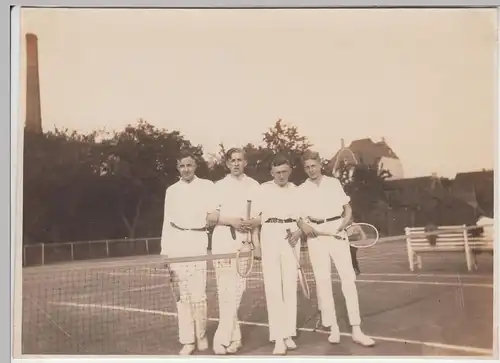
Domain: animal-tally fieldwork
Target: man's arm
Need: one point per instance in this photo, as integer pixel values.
(347, 217)
(167, 218)
(214, 217)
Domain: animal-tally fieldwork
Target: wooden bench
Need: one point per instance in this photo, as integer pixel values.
(478, 245)
(452, 241)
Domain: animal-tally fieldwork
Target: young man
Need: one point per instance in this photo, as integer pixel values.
(325, 208)
(187, 203)
(229, 218)
(278, 205)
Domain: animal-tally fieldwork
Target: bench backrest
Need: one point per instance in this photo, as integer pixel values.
(481, 243)
(449, 237)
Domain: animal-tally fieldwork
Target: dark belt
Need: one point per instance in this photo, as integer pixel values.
(321, 221)
(278, 220)
(202, 229)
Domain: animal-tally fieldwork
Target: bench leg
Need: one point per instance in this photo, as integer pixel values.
(411, 260)
(419, 262)
(469, 258)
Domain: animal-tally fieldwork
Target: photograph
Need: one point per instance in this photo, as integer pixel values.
(257, 182)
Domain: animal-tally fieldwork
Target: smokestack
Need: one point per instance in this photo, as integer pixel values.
(33, 108)
(342, 143)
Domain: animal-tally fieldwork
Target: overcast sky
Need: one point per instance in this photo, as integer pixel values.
(423, 79)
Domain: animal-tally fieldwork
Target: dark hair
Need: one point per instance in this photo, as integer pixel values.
(186, 154)
(280, 159)
(310, 155)
(233, 150)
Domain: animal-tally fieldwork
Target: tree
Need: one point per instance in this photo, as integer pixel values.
(366, 187)
(137, 166)
(58, 167)
(283, 138)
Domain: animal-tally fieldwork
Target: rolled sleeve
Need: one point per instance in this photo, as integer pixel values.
(342, 196)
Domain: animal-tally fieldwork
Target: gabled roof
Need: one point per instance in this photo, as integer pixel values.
(368, 152)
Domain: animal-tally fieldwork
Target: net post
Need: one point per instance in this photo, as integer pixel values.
(72, 252)
(147, 247)
(43, 253)
(107, 248)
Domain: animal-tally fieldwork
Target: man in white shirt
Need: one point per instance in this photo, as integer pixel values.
(187, 203)
(232, 194)
(326, 208)
(278, 205)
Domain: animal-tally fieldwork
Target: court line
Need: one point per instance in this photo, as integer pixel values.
(403, 282)
(402, 274)
(462, 348)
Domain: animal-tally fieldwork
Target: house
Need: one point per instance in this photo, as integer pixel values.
(428, 199)
(370, 153)
(476, 188)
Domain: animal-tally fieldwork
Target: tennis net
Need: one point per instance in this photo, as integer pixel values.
(128, 307)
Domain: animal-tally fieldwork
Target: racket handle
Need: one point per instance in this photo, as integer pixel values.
(249, 208)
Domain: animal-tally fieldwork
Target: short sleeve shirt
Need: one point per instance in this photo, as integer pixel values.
(322, 201)
(274, 201)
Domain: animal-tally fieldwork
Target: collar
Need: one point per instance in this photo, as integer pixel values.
(182, 181)
(321, 181)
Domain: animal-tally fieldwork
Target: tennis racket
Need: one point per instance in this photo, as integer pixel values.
(344, 168)
(359, 235)
(174, 283)
(304, 286)
(244, 264)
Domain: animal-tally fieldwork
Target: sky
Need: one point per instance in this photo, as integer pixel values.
(425, 80)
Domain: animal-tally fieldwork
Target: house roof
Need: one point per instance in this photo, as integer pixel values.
(368, 152)
(476, 188)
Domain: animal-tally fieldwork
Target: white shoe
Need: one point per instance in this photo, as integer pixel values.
(279, 348)
(360, 338)
(290, 344)
(202, 344)
(234, 347)
(187, 349)
(220, 349)
(334, 337)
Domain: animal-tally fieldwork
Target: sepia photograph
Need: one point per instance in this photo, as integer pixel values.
(257, 182)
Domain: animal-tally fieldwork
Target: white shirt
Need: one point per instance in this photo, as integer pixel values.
(488, 231)
(232, 194)
(274, 201)
(322, 201)
(186, 205)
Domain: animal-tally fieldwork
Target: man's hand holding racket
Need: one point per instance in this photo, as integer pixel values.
(294, 237)
(307, 229)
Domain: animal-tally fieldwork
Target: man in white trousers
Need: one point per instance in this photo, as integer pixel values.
(325, 207)
(229, 216)
(278, 205)
(187, 204)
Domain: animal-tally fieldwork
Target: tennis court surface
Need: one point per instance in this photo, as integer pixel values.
(124, 306)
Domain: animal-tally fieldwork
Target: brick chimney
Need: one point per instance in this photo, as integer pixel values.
(33, 108)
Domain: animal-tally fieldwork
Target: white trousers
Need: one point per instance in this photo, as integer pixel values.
(192, 307)
(230, 287)
(322, 250)
(192, 277)
(280, 280)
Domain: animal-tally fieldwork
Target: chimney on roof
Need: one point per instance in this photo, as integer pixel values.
(33, 109)
(342, 143)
